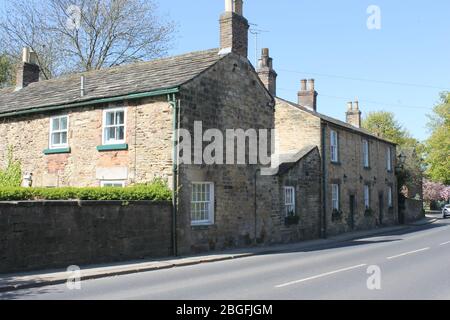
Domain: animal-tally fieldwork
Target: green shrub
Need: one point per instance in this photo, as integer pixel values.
(11, 176)
(153, 191)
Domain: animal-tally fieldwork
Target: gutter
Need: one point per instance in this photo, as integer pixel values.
(175, 104)
(133, 96)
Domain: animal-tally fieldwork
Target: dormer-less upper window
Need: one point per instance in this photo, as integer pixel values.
(59, 127)
(389, 159)
(334, 146)
(366, 158)
(113, 126)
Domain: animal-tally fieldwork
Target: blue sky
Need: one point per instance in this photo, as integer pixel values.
(329, 41)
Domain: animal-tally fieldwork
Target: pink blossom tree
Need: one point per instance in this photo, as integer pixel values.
(445, 193)
(433, 191)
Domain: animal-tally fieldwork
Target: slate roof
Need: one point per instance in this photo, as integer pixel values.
(113, 82)
(282, 163)
(332, 120)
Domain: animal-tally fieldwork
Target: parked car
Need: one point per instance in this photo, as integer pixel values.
(446, 211)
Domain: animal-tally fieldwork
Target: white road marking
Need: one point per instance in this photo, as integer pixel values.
(407, 253)
(319, 276)
(443, 244)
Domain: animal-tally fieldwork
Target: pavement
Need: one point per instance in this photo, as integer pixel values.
(30, 280)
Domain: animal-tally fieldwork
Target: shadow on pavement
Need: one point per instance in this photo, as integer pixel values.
(364, 239)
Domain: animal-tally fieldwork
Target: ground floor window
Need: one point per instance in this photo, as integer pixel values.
(335, 197)
(112, 183)
(289, 201)
(202, 203)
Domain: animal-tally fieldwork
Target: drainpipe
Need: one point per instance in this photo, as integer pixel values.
(175, 107)
(255, 205)
(324, 184)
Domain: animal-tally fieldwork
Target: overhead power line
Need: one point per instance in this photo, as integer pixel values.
(386, 104)
(368, 80)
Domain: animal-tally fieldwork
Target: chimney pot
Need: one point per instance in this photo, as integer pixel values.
(235, 6)
(311, 85)
(26, 55)
(307, 96)
(266, 72)
(353, 114)
(239, 7)
(303, 85)
(229, 5)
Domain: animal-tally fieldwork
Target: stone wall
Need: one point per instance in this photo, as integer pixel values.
(413, 210)
(35, 235)
(148, 135)
(228, 96)
(295, 128)
(305, 177)
(351, 175)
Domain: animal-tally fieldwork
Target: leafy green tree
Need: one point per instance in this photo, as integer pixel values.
(6, 71)
(437, 147)
(384, 125)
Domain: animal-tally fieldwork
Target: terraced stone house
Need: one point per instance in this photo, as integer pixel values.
(118, 126)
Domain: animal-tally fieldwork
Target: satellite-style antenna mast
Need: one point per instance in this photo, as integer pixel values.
(256, 32)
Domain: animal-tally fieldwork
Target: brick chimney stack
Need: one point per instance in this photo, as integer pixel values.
(28, 70)
(353, 114)
(266, 73)
(234, 28)
(307, 96)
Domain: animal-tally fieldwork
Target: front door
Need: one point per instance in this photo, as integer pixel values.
(381, 206)
(352, 212)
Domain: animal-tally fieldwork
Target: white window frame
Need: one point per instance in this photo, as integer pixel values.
(289, 200)
(366, 156)
(390, 197)
(104, 127)
(210, 204)
(115, 183)
(50, 138)
(389, 159)
(366, 196)
(335, 203)
(334, 146)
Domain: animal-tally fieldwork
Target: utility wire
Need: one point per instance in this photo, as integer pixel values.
(368, 80)
(366, 101)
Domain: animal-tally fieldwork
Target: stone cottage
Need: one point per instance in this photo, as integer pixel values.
(124, 125)
(358, 182)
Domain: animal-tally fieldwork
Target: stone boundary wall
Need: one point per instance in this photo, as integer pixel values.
(413, 210)
(53, 234)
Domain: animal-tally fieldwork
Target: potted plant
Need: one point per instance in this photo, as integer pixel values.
(336, 215)
(291, 218)
(368, 212)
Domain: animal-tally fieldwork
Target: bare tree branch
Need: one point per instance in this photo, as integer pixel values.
(108, 33)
